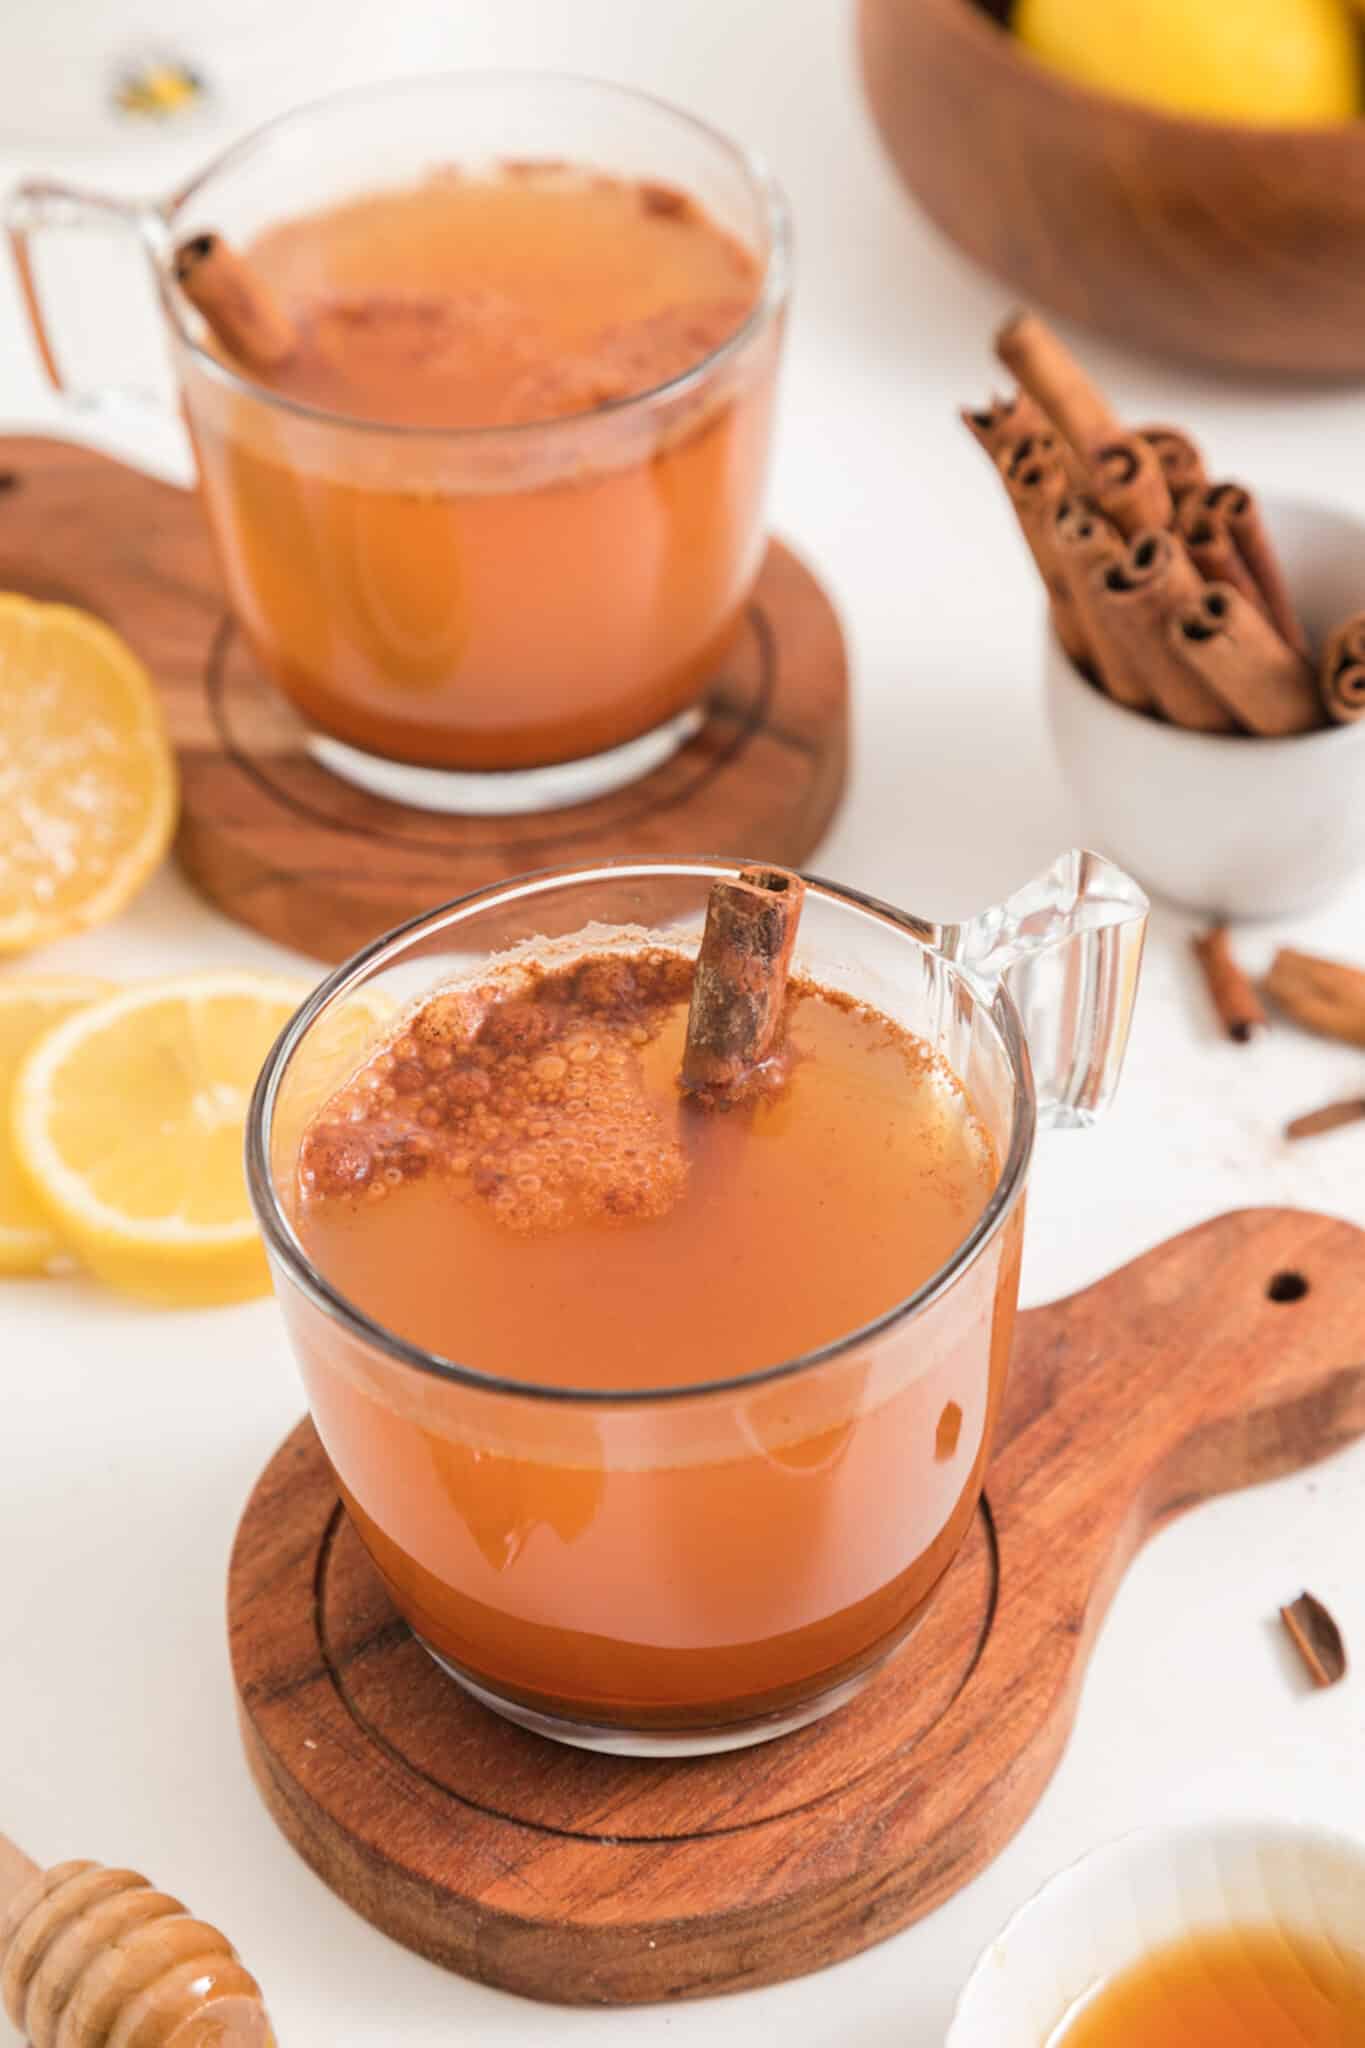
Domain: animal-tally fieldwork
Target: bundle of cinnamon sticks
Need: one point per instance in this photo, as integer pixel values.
(1164, 586)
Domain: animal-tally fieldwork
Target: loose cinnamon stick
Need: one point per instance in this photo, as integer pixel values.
(1234, 651)
(1130, 486)
(1004, 423)
(1037, 483)
(1128, 608)
(240, 309)
(1182, 464)
(737, 1014)
(1317, 1639)
(1324, 995)
(1226, 536)
(1046, 369)
(1330, 1118)
(1240, 1010)
(1341, 677)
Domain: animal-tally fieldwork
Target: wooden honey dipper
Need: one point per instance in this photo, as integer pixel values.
(96, 1958)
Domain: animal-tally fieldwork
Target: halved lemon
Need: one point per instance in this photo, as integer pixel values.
(28, 1008)
(87, 778)
(128, 1120)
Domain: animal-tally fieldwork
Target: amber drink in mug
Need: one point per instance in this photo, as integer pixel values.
(664, 1416)
(487, 485)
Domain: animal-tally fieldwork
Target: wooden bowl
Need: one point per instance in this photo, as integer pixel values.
(1241, 247)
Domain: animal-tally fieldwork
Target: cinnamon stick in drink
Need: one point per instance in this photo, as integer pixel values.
(1232, 649)
(241, 311)
(736, 1019)
(1341, 677)
(1128, 609)
(1182, 464)
(1046, 369)
(1129, 485)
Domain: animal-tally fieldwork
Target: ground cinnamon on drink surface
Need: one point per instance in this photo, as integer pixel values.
(517, 1180)
(528, 292)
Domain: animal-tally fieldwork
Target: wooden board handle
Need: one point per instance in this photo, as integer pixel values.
(89, 1955)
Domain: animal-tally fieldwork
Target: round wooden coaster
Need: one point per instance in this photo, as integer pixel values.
(281, 844)
(590, 1879)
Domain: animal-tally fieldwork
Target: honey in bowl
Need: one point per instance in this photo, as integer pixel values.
(485, 561)
(517, 1182)
(1244, 1987)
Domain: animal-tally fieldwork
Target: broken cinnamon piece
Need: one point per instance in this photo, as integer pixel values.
(1127, 609)
(1317, 1639)
(1341, 677)
(1331, 1118)
(1037, 483)
(236, 304)
(1004, 423)
(1235, 652)
(1046, 369)
(1182, 464)
(737, 1015)
(1129, 485)
(1324, 995)
(1240, 1010)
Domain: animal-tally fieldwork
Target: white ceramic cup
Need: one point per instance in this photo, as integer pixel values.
(1228, 826)
(1122, 1901)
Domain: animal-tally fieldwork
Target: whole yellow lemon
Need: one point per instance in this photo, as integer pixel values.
(1275, 63)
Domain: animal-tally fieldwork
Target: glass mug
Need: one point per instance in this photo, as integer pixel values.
(703, 1567)
(492, 618)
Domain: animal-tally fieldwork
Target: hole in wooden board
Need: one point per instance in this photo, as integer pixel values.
(1286, 1287)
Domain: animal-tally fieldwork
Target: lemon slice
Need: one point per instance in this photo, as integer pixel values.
(28, 1243)
(127, 1121)
(87, 779)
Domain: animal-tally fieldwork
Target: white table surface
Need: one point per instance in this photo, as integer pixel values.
(129, 1438)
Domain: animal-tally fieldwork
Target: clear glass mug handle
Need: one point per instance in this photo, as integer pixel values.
(43, 205)
(1068, 946)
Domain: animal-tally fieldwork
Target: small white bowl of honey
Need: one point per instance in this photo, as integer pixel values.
(1241, 1934)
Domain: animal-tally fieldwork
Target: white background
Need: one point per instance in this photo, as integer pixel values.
(129, 1439)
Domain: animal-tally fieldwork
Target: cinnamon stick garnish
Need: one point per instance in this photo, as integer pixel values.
(1240, 1010)
(1046, 369)
(1182, 464)
(239, 308)
(1128, 607)
(1324, 995)
(1037, 484)
(1235, 652)
(1317, 1639)
(738, 1011)
(1331, 1118)
(1341, 677)
(1130, 486)
(1004, 423)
